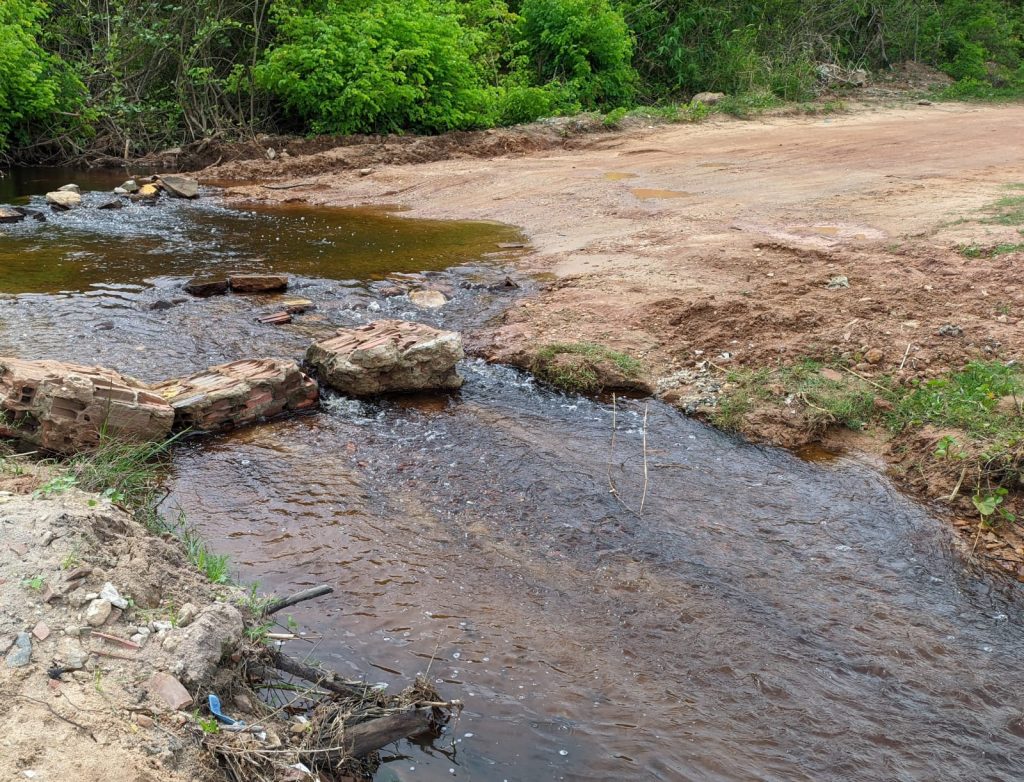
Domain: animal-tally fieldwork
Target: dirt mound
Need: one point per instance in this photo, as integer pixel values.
(293, 156)
(75, 702)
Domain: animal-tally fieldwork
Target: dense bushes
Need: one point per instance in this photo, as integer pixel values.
(348, 66)
(35, 86)
(159, 74)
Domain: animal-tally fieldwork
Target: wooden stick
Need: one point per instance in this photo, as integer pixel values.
(298, 597)
(369, 736)
(643, 497)
(115, 640)
(319, 676)
(905, 354)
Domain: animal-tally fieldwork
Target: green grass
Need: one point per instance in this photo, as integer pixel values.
(129, 474)
(975, 250)
(848, 402)
(969, 400)
(581, 376)
(1008, 210)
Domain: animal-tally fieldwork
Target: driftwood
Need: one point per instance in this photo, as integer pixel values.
(369, 736)
(328, 680)
(298, 597)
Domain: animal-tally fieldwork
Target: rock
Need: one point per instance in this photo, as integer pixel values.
(275, 318)
(35, 214)
(243, 702)
(237, 394)
(41, 631)
(297, 306)
(120, 191)
(98, 612)
(707, 98)
(146, 193)
(160, 305)
(72, 188)
(144, 721)
(63, 199)
(831, 374)
(271, 153)
(74, 656)
(114, 203)
(204, 288)
(388, 356)
(950, 330)
(20, 654)
(874, 356)
(170, 691)
(187, 614)
(840, 281)
(130, 186)
(428, 299)
(365, 171)
(112, 596)
(6, 642)
(179, 186)
(258, 283)
(63, 407)
(10, 215)
(198, 648)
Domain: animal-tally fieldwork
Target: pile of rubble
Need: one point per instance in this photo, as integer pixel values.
(146, 190)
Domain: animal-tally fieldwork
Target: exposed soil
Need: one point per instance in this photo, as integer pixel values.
(81, 707)
(698, 248)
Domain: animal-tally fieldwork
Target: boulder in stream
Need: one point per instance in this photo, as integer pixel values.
(10, 215)
(237, 394)
(258, 283)
(63, 199)
(179, 186)
(388, 356)
(206, 287)
(63, 407)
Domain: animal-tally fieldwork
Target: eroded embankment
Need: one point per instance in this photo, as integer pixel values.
(870, 244)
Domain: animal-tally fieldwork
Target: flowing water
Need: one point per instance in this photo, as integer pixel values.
(763, 618)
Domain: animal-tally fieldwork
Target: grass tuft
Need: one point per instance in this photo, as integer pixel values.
(582, 372)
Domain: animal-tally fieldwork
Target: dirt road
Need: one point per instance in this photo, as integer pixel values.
(722, 237)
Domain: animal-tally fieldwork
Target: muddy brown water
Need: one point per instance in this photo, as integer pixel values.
(764, 618)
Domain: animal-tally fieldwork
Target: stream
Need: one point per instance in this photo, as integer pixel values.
(763, 618)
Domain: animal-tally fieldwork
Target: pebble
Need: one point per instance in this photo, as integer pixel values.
(112, 596)
(98, 612)
(21, 653)
(41, 631)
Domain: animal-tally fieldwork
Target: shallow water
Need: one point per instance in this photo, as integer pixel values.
(764, 618)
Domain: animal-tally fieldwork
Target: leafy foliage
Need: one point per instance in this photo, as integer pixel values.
(346, 66)
(35, 86)
(583, 44)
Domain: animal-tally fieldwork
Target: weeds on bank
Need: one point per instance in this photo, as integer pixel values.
(827, 401)
(741, 106)
(580, 376)
(983, 404)
(128, 474)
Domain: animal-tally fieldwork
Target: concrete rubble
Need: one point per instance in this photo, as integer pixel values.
(388, 356)
(62, 407)
(237, 394)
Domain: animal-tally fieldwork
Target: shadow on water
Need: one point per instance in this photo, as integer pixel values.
(765, 618)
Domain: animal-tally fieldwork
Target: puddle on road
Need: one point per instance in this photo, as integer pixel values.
(649, 194)
(618, 176)
(765, 618)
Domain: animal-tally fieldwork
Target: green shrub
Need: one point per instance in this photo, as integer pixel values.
(344, 66)
(35, 86)
(583, 44)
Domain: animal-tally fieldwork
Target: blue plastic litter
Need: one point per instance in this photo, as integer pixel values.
(215, 710)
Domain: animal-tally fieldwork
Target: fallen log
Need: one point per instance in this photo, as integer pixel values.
(369, 736)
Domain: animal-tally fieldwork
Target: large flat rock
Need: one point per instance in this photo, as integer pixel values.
(388, 356)
(238, 394)
(63, 407)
